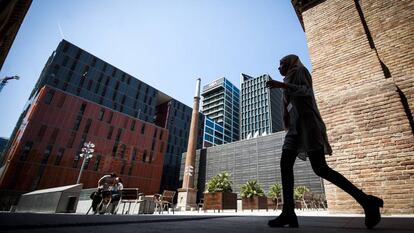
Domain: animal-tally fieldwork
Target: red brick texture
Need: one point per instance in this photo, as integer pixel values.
(367, 124)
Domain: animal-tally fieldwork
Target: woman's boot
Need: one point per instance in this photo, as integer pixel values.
(289, 219)
(371, 207)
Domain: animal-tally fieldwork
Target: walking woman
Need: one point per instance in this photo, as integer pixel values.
(306, 137)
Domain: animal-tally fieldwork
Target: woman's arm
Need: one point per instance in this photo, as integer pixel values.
(302, 85)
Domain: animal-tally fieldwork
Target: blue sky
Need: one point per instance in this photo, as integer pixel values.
(167, 44)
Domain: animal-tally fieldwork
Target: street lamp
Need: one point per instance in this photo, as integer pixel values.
(87, 153)
(4, 81)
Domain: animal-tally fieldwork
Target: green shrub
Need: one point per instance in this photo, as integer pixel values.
(220, 183)
(299, 191)
(251, 188)
(275, 191)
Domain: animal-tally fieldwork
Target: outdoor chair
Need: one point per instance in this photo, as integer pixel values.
(129, 196)
(164, 200)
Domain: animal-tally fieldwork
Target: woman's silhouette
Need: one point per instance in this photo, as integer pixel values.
(306, 137)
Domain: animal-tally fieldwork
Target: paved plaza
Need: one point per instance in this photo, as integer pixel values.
(183, 222)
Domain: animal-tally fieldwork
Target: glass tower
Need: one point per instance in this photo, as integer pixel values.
(221, 108)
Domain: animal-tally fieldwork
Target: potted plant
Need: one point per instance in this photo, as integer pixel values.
(273, 196)
(219, 193)
(253, 196)
(299, 193)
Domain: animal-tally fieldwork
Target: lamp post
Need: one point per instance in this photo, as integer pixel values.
(87, 153)
(5, 79)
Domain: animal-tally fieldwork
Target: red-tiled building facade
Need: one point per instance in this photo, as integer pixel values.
(45, 152)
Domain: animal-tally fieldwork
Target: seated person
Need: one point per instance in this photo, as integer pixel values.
(104, 184)
(116, 193)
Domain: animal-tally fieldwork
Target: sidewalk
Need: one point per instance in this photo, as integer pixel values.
(185, 222)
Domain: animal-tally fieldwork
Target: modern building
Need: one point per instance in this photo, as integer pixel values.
(45, 150)
(221, 101)
(252, 159)
(82, 75)
(12, 13)
(261, 107)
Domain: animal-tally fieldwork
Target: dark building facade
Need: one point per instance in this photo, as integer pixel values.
(261, 107)
(81, 74)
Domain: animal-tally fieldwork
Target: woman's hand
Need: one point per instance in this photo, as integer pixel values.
(275, 84)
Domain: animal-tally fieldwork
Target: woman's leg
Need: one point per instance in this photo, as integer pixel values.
(371, 204)
(288, 216)
(321, 168)
(286, 166)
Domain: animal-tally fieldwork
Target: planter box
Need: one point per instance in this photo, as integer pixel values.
(273, 204)
(220, 201)
(254, 203)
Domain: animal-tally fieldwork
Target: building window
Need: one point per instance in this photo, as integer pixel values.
(134, 153)
(87, 126)
(77, 123)
(59, 156)
(41, 132)
(153, 144)
(155, 133)
(93, 62)
(78, 54)
(101, 114)
(114, 149)
(49, 96)
(111, 130)
(53, 137)
(97, 161)
(61, 101)
(71, 140)
(144, 156)
(133, 125)
(26, 150)
(118, 134)
(143, 128)
(46, 154)
(123, 148)
(110, 117)
(82, 109)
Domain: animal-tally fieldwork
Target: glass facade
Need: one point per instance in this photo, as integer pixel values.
(260, 107)
(221, 108)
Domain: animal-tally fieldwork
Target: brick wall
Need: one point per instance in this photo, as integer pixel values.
(368, 126)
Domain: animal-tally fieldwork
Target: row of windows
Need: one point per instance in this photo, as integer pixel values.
(123, 99)
(147, 110)
(79, 53)
(255, 112)
(256, 126)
